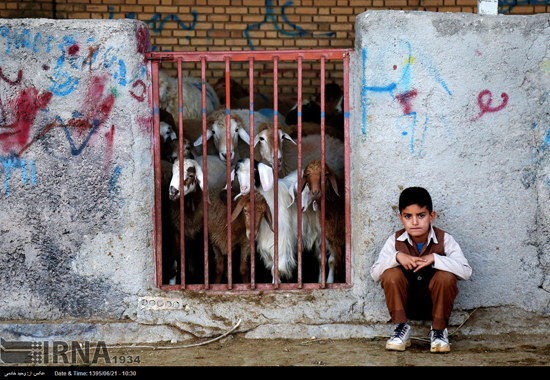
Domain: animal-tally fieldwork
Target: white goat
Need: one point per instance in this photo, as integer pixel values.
(239, 130)
(311, 223)
(288, 155)
(191, 89)
(216, 173)
(287, 216)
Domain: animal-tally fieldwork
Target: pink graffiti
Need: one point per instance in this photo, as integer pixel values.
(139, 98)
(25, 109)
(405, 100)
(487, 106)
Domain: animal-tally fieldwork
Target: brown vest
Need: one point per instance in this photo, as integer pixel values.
(405, 247)
(421, 279)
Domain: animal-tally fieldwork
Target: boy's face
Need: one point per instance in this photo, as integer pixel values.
(416, 221)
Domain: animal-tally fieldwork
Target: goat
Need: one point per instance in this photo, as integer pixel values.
(265, 151)
(240, 229)
(193, 209)
(240, 129)
(288, 155)
(191, 89)
(236, 91)
(311, 111)
(335, 225)
(311, 223)
(287, 216)
(216, 173)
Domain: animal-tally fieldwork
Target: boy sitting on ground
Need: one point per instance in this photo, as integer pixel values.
(418, 268)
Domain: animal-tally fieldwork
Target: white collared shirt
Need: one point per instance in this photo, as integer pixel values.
(453, 261)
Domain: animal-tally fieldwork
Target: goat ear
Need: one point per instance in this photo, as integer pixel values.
(306, 198)
(269, 218)
(256, 140)
(266, 176)
(287, 137)
(199, 175)
(237, 210)
(199, 140)
(244, 135)
(292, 191)
(332, 178)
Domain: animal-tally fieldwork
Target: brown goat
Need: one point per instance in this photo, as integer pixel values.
(335, 225)
(217, 232)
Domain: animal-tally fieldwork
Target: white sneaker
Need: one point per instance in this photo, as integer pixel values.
(401, 338)
(439, 341)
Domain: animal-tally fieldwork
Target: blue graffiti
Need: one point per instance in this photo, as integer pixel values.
(13, 163)
(114, 178)
(23, 40)
(270, 17)
(63, 83)
(400, 89)
(156, 23)
(506, 6)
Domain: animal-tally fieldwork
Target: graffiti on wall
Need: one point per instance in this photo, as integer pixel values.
(271, 18)
(158, 21)
(396, 84)
(507, 6)
(84, 80)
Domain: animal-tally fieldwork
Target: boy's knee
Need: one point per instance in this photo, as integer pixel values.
(392, 276)
(443, 279)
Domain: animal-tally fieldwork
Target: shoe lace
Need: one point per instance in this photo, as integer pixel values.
(438, 334)
(399, 331)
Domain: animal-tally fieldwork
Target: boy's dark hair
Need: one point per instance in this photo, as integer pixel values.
(415, 196)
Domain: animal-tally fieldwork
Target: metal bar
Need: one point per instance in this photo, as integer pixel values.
(228, 173)
(275, 174)
(154, 97)
(243, 56)
(252, 57)
(299, 194)
(347, 155)
(181, 163)
(252, 209)
(323, 179)
(205, 172)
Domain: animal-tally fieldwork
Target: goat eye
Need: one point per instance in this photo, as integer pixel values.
(261, 139)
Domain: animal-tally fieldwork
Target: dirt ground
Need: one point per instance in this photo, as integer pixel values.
(235, 350)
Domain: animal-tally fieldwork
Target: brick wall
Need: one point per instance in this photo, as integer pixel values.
(194, 25)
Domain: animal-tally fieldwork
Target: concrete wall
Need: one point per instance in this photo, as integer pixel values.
(76, 168)
(452, 102)
(457, 103)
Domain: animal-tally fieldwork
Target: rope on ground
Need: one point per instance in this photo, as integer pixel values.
(185, 346)
(456, 330)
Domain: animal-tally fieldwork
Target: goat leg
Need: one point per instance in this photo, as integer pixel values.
(245, 256)
(220, 258)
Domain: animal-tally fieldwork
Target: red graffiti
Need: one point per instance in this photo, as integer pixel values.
(96, 111)
(143, 40)
(12, 82)
(25, 109)
(139, 98)
(73, 50)
(405, 100)
(487, 106)
(110, 136)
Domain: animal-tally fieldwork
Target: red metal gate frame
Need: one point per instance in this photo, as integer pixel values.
(322, 55)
